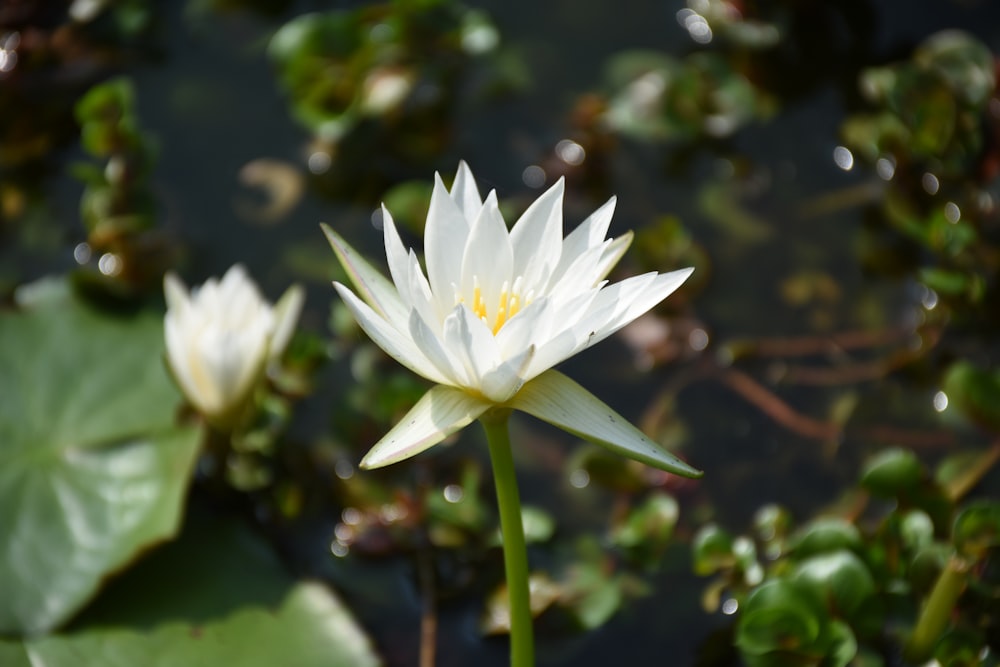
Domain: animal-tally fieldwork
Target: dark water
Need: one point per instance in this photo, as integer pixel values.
(210, 98)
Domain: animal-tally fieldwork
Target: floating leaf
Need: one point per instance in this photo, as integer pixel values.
(92, 468)
(222, 598)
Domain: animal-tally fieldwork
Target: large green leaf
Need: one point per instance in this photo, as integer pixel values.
(92, 467)
(309, 629)
(215, 596)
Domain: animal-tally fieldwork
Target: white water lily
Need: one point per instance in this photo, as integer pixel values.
(222, 336)
(496, 310)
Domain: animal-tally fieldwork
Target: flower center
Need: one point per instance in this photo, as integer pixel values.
(508, 304)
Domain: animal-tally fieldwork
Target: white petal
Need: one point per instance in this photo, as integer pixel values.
(636, 302)
(446, 231)
(501, 383)
(231, 361)
(430, 345)
(614, 252)
(488, 256)
(465, 193)
(286, 313)
(558, 400)
(396, 344)
(177, 357)
(236, 280)
(537, 237)
(528, 326)
(589, 233)
(471, 343)
(554, 351)
(175, 292)
(439, 413)
(396, 255)
(581, 276)
(375, 288)
(419, 296)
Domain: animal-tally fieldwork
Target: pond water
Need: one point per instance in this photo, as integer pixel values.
(781, 229)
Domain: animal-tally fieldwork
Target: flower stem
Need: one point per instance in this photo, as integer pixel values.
(515, 553)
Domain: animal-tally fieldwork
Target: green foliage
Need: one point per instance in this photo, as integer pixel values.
(94, 469)
(927, 137)
(975, 393)
(118, 208)
(221, 597)
(658, 97)
(839, 588)
(342, 66)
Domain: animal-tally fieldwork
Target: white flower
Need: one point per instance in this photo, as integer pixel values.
(495, 312)
(221, 338)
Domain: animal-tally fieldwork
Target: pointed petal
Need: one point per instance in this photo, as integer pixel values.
(537, 237)
(286, 313)
(635, 302)
(589, 233)
(439, 413)
(395, 254)
(615, 252)
(465, 193)
(373, 287)
(175, 292)
(447, 229)
(397, 345)
(418, 294)
(558, 400)
(488, 256)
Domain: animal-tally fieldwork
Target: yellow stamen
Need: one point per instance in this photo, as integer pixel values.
(508, 305)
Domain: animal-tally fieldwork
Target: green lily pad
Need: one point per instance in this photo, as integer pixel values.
(216, 596)
(92, 467)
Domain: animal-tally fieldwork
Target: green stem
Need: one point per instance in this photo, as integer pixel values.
(935, 615)
(515, 553)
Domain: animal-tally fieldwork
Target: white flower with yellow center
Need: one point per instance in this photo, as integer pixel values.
(221, 337)
(496, 310)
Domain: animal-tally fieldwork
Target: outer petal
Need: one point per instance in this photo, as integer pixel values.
(554, 398)
(439, 413)
(396, 344)
(286, 314)
(175, 292)
(373, 287)
(395, 253)
(638, 302)
(177, 357)
(615, 252)
(589, 233)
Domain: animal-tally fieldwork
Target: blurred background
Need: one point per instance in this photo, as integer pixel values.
(830, 167)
